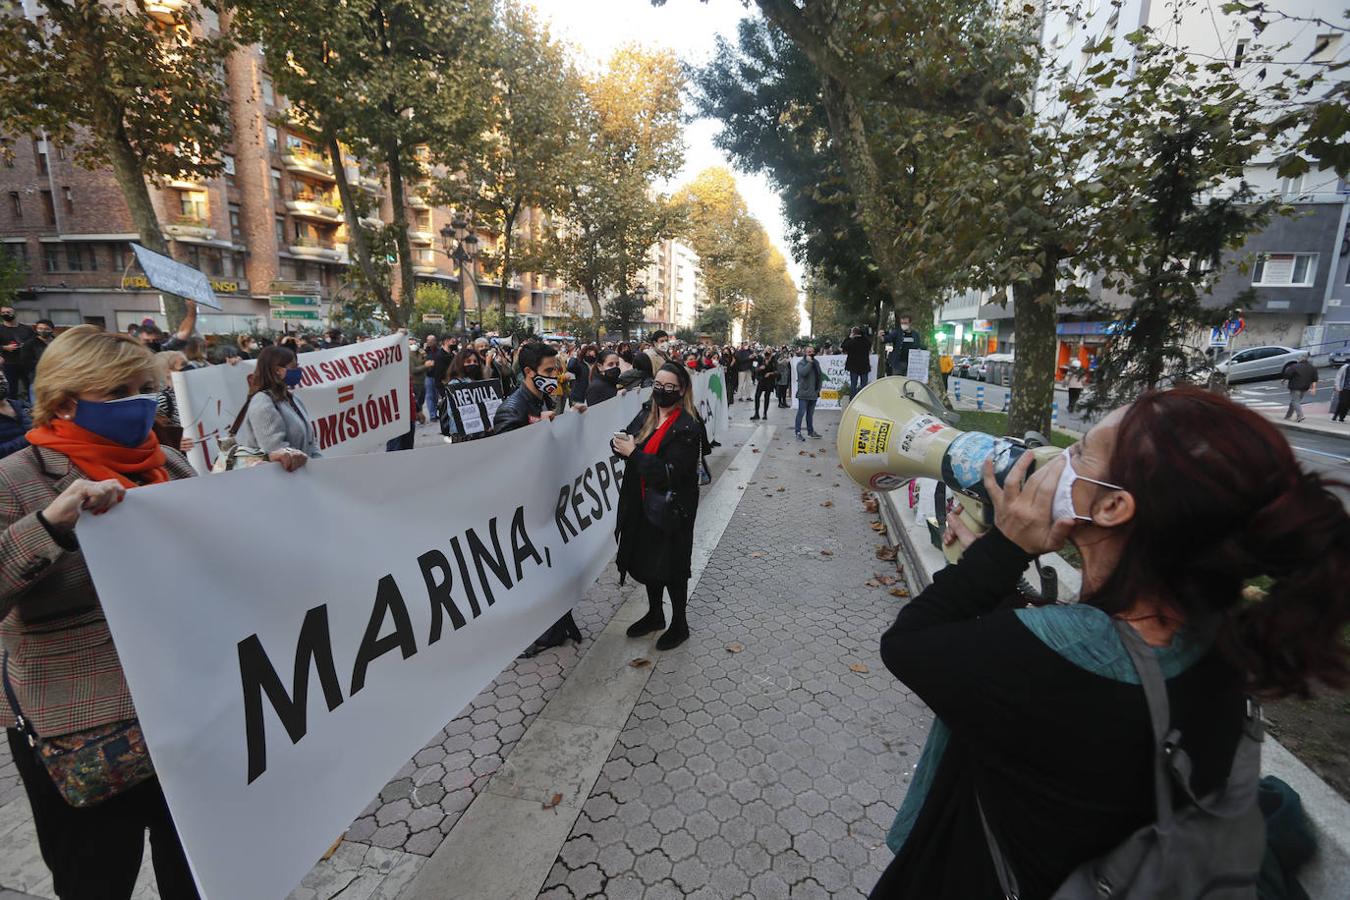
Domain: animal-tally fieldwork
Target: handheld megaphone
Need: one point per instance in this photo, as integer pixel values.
(895, 430)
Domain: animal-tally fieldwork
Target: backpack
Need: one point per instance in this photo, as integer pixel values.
(1211, 848)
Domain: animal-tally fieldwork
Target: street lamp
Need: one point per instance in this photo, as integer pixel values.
(460, 244)
(640, 293)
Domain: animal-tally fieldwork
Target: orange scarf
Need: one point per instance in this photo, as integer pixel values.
(99, 458)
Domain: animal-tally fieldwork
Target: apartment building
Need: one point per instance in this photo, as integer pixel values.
(270, 223)
(674, 283)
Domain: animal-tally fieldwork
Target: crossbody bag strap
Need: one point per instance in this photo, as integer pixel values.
(1007, 880)
(1159, 712)
(20, 722)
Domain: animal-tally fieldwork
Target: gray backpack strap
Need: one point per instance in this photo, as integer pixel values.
(1159, 712)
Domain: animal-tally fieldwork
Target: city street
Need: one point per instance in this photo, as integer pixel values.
(763, 758)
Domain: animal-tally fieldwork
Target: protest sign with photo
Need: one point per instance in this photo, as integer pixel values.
(358, 396)
(472, 404)
(304, 664)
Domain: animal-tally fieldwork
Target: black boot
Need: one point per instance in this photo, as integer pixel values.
(559, 633)
(678, 632)
(654, 620)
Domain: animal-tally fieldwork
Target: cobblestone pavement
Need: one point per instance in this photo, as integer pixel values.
(773, 771)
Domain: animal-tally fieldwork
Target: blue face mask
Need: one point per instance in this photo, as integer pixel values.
(294, 377)
(127, 421)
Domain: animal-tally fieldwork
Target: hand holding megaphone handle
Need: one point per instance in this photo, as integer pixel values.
(970, 517)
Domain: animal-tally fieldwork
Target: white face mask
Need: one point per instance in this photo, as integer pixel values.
(1062, 505)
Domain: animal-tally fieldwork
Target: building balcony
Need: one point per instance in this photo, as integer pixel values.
(166, 10)
(184, 184)
(368, 183)
(418, 201)
(424, 269)
(190, 227)
(420, 237)
(307, 164)
(312, 249)
(371, 221)
(315, 208)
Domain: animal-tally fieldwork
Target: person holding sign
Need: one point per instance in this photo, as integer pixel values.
(468, 399)
(658, 502)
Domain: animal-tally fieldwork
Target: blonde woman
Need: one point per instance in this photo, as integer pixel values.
(96, 394)
(659, 501)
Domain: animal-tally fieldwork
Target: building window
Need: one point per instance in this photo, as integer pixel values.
(60, 151)
(272, 138)
(295, 143)
(75, 257)
(276, 184)
(40, 154)
(269, 94)
(1239, 51)
(15, 204)
(120, 254)
(236, 229)
(281, 229)
(227, 166)
(1324, 48)
(192, 205)
(1291, 187)
(48, 208)
(1285, 270)
(214, 266)
(51, 260)
(69, 199)
(194, 256)
(17, 252)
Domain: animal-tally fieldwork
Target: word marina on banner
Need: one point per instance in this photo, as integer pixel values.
(480, 561)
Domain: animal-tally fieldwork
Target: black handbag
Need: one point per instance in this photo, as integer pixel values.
(662, 508)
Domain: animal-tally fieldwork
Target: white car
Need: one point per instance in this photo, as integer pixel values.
(1259, 362)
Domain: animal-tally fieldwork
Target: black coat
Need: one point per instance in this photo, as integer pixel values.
(646, 553)
(600, 390)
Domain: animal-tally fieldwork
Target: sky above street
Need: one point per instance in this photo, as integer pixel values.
(596, 28)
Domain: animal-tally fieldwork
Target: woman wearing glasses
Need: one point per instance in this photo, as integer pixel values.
(659, 501)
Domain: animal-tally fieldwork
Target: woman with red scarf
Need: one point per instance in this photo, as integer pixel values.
(91, 442)
(659, 501)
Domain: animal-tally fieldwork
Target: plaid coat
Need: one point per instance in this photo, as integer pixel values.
(62, 663)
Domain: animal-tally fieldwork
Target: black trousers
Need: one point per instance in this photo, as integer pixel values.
(765, 392)
(782, 390)
(17, 376)
(95, 853)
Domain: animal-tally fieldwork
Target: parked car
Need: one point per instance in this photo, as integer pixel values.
(1340, 356)
(1255, 363)
(962, 367)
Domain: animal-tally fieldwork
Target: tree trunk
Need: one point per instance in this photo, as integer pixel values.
(878, 341)
(508, 241)
(131, 179)
(1033, 385)
(408, 286)
(594, 297)
(357, 243)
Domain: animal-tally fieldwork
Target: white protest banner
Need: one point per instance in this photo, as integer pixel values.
(299, 666)
(710, 398)
(916, 364)
(834, 389)
(358, 396)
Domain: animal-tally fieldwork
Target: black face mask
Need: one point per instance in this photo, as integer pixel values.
(611, 374)
(665, 399)
(9, 318)
(475, 372)
(45, 335)
(590, 358)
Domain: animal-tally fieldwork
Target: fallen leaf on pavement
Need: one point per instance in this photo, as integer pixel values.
(828, 503)
(639, 663)
(886, 552)
(827, 553)
(756, 554)
(887, 580)
(752, 450)
(879, 527)
(899, 592)
(871, 506)
(780, 490)
(836, 484)
(552, 802)
(735, 647)
(859, 668)
(871, 582)
(802, 453)
(332, 849)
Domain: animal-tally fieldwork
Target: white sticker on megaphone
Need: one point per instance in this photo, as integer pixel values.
(917, 434)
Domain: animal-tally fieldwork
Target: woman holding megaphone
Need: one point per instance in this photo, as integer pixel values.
(1043, 756)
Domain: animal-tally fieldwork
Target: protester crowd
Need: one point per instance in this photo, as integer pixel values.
(1167, 535)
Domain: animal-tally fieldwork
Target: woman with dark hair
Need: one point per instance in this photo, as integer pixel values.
(465, 367)
(1043, 732)
(604, 378)
(640, 376)
(580, 367)
(658, 501)
(273, 418)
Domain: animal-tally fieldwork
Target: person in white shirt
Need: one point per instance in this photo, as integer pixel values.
(1342, 404)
